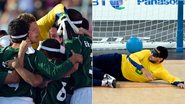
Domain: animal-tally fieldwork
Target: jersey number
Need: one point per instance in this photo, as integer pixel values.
(87, 44)
(61, 96)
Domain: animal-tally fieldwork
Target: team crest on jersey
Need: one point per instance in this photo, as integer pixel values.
(138, 71)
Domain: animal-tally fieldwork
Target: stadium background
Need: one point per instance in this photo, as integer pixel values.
(154, 21)
(9, 9)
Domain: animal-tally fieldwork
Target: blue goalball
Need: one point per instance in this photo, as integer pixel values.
(134, 44)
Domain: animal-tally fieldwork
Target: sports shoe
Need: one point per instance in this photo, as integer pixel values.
(109, 81)
(108, 77)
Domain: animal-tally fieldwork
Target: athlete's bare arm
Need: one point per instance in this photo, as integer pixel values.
(31, 78)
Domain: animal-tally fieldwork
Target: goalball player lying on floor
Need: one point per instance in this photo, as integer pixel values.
(142, 66)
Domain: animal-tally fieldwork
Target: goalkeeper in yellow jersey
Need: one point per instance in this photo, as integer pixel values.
(43, 25)
(142, 66)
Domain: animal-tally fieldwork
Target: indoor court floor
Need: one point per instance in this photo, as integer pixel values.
(156, 92)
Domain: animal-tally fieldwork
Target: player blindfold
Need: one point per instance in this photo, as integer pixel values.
(155, 53)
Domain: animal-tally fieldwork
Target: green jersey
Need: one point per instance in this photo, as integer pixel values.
(82, 45)
(46, 68)
(36, 63)
(55, 92)
(16, 89)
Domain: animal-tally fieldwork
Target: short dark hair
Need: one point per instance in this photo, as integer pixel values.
(75, 15)
(3, 32)
(163, 52)
(52, 43)
(27, 17)
(85, 24)
(18, 27)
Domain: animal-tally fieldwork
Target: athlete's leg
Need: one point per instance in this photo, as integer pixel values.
(97, 82)
(102, 79)
(98, 73)
(106, 60)
(109, 64)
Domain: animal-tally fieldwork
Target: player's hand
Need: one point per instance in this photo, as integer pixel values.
(75, 67)
(181, 85)
(24, 45)
(72, 70)
(13, 64)
(147, 74)
(83, 31)
(76, 58)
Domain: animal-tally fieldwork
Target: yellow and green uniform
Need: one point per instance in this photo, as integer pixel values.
(82, 45)
(46, 22)
(36, 63)
(132, 64)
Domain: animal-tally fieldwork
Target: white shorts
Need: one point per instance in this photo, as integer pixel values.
(82, 96)
(16, 100)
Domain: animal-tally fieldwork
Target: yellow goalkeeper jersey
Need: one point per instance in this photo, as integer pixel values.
(130, 68)
(46, 22)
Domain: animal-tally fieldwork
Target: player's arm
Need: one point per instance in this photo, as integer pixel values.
(72, 70)
(83, 31)
(166, 76)
(32, 78)
(46, 22)
(9, 77)
(52, 71)
(135, 59)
